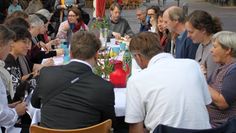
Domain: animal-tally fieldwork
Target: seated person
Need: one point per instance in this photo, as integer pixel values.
(35, 54)
(71, 25)
(14, 6)
(167, 91)
(19, 47)
(119, 27)
(222, 83)
(79, 97)
(8, 113)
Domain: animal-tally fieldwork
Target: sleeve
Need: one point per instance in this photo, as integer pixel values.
(228, 87)
(191, 48)
(8, 116)
(128, 30)
(135, 111)
(109, 110)
(81, 3)
(36, 99)
(9, 10)
(61, 33)
(206, 93)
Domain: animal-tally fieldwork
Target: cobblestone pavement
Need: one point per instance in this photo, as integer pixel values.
(226, 14)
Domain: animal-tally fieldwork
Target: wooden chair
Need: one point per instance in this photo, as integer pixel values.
(103, 127)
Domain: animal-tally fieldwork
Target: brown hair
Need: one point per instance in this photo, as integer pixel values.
(147, 43)
(202, 20)
(112, 7)
(6, 35)
(21, 14)
(76, 11)
(84, 45)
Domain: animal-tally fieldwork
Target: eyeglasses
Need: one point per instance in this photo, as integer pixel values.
(71, 15)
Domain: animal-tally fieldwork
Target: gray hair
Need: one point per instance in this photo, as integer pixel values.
(176, 13)
(227, 40)
(45, 13)
(35, 21)
(142, 8)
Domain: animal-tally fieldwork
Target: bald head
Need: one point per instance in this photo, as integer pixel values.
(175, 14)
(173, 18)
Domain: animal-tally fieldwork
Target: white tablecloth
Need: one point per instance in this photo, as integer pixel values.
(120, 102)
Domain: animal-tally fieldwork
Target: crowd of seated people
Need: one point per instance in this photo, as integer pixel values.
(186, 81)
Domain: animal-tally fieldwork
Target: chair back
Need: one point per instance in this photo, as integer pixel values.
(103, 127)
(228, 127)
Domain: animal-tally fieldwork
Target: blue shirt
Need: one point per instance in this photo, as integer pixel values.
(185, 48)
(13, 8)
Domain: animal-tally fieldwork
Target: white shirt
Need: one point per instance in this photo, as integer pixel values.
(8, 116)
(169, 91)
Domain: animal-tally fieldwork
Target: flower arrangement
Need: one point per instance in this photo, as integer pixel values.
(104, 65)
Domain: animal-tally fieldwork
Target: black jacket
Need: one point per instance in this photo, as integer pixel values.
(87, 102)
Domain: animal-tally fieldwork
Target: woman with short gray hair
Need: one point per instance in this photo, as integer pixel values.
(36, 55)
(222, 83)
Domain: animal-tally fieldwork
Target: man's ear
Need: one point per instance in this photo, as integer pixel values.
(141, 61)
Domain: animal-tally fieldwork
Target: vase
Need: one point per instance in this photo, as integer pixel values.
(103, 36)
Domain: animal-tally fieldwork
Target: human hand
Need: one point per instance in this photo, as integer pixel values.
(13, 105)
(116, 35)
(48, 62)
(127, 37)
(21, 108)
(66, 27)
(203, 69)
(60, 51)
(46, 47)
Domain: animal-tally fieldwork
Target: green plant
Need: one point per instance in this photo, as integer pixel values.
(100, 23)
(104, 65)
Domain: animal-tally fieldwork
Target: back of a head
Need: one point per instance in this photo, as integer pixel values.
(84, 45)
(203, 20)
(176, 14)
(142, 8)
(18, 14)
(18, 21)
(155, 8)
(147, 43)
(6, 35)
(45, 13)
(35, 21)
(42, 17)
(21, 33)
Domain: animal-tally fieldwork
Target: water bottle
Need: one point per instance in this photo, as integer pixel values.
(65, 46)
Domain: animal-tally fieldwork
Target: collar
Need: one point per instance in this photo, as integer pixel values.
(81, 61)
(159, 57)
(115, 22)
(2, 63)
(181, 34)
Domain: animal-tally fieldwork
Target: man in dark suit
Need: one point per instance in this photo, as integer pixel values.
(86, 99)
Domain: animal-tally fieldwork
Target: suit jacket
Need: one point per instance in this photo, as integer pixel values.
(87, 102)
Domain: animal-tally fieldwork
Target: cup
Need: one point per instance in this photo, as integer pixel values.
(115, 49)
(113, 41)
(122, 46)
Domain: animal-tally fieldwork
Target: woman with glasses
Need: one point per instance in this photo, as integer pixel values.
(73, 23)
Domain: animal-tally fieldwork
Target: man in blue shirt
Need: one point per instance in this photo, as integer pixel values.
(174, 20)
(14, 7)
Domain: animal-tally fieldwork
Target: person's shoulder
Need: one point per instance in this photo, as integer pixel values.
(51, 69)
(123, 20)
(100, 80)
